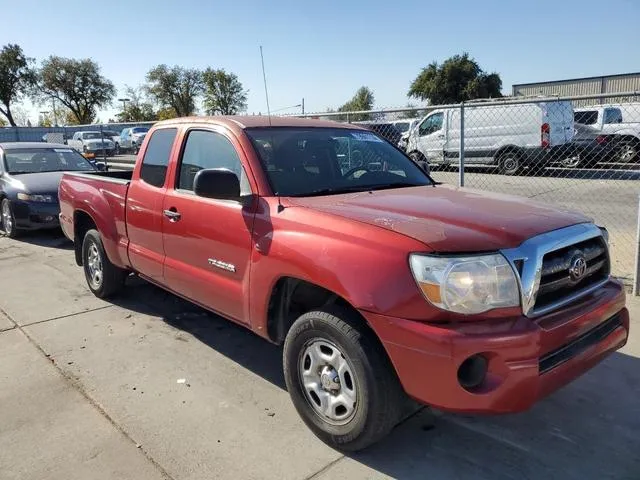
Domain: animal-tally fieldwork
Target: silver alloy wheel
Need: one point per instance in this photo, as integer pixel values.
(627, 152)
(7, 219)
(94, 263)
(571, 162)
(328, 381)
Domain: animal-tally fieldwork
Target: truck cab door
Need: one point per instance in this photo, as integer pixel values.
(431, 138)
(144, 205)
(208, 242)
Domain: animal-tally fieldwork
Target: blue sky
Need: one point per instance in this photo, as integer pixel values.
(323, 51)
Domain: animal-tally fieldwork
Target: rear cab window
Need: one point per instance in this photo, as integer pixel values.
(156, 157)
(586, 117)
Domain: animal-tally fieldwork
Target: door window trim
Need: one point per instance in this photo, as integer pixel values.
(185, 138)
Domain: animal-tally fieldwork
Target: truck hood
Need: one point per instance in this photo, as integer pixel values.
(98, 141)
(448, 219)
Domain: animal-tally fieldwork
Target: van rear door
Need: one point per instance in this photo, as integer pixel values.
(559, 117)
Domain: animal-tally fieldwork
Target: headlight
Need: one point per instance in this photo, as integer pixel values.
(605, 234)
(469, 285)
(35, 198)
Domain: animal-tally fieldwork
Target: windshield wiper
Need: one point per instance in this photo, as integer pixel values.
(356, 188)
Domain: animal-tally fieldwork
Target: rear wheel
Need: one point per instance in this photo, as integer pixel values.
(103, 277)
(8, 219)
(340, 379)
(509, 163)
(628, 151)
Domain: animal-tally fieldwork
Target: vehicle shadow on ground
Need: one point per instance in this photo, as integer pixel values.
(587, 430)
(44, 238)
(231, 340)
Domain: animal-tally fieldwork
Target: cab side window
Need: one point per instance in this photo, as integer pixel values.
(156, 157)
(612, 115)
(207, 149)
(431, 124)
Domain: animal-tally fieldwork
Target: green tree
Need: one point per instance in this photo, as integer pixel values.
(16, 78)
(138, 109)
(176, 87)
(457, 79)
(223, 93)
(3, 122)
(77, 84)
(362, 100)
(167, 113)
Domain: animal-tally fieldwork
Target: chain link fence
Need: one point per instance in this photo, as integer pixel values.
(584, 158)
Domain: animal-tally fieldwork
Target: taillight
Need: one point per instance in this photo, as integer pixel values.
(545, 131)
(600, 139)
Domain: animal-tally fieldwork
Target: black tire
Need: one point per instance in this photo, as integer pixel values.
(379, 398)
(117, 149)
(420, 160)
(509, 163)
(112, 277)
(10, 229)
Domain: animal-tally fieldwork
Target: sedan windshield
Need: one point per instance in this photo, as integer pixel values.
(325, 161)
(37, 160)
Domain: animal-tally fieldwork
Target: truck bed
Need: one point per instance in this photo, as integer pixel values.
(100, 197)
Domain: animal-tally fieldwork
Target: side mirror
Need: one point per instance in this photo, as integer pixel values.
(220, 183)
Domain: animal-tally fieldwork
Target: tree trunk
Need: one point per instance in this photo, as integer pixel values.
(7, 114)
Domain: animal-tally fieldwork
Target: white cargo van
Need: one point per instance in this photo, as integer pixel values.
(509, 136)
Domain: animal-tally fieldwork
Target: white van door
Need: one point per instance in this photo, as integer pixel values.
(559, 117)
(431, 137)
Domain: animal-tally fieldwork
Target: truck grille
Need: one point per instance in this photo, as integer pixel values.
(571, 269)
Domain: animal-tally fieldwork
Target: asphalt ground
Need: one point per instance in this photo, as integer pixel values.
(149, 386)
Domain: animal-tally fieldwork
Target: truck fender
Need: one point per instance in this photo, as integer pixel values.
(98, 210)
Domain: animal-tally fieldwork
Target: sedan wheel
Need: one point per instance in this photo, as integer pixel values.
(8, 220)
(628, 152)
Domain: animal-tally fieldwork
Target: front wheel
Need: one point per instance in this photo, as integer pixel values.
(8, 219)
(340, 379)
(103, 277)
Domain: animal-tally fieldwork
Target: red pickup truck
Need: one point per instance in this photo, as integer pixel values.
(381, 283)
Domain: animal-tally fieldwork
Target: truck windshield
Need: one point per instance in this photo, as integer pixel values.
(140, 130)
(324, 161)
(38, 160)
(91, 135)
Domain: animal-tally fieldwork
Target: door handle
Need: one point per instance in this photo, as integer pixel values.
(172, 214)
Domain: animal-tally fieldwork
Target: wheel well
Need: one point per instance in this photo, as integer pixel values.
(82, 223)
(291, 298)
(628, 139)
(507, 149)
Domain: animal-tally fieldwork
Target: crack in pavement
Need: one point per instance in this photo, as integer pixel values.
(77, 385)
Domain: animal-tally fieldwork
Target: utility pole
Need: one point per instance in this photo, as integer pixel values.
(303, 105)
(55, 117)
(124, 107)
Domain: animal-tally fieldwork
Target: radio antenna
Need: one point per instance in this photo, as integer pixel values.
(264, 78)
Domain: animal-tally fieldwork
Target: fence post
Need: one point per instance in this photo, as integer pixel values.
(104, 150)
(16, 131)
(461, 154)
(636, 278)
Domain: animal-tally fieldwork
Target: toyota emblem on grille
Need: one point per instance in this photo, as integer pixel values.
(578, 267)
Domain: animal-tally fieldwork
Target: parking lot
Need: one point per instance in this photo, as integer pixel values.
(151, 387)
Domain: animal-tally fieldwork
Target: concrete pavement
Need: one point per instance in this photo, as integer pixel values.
(89, 389)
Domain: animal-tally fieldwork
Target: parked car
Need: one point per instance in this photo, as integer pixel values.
(91, 144)
(509, 136)
(114, 137)
(29, 178)
(132, 138)
(590, 147)
(386, 130)
(380, 283)
(622, 121)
